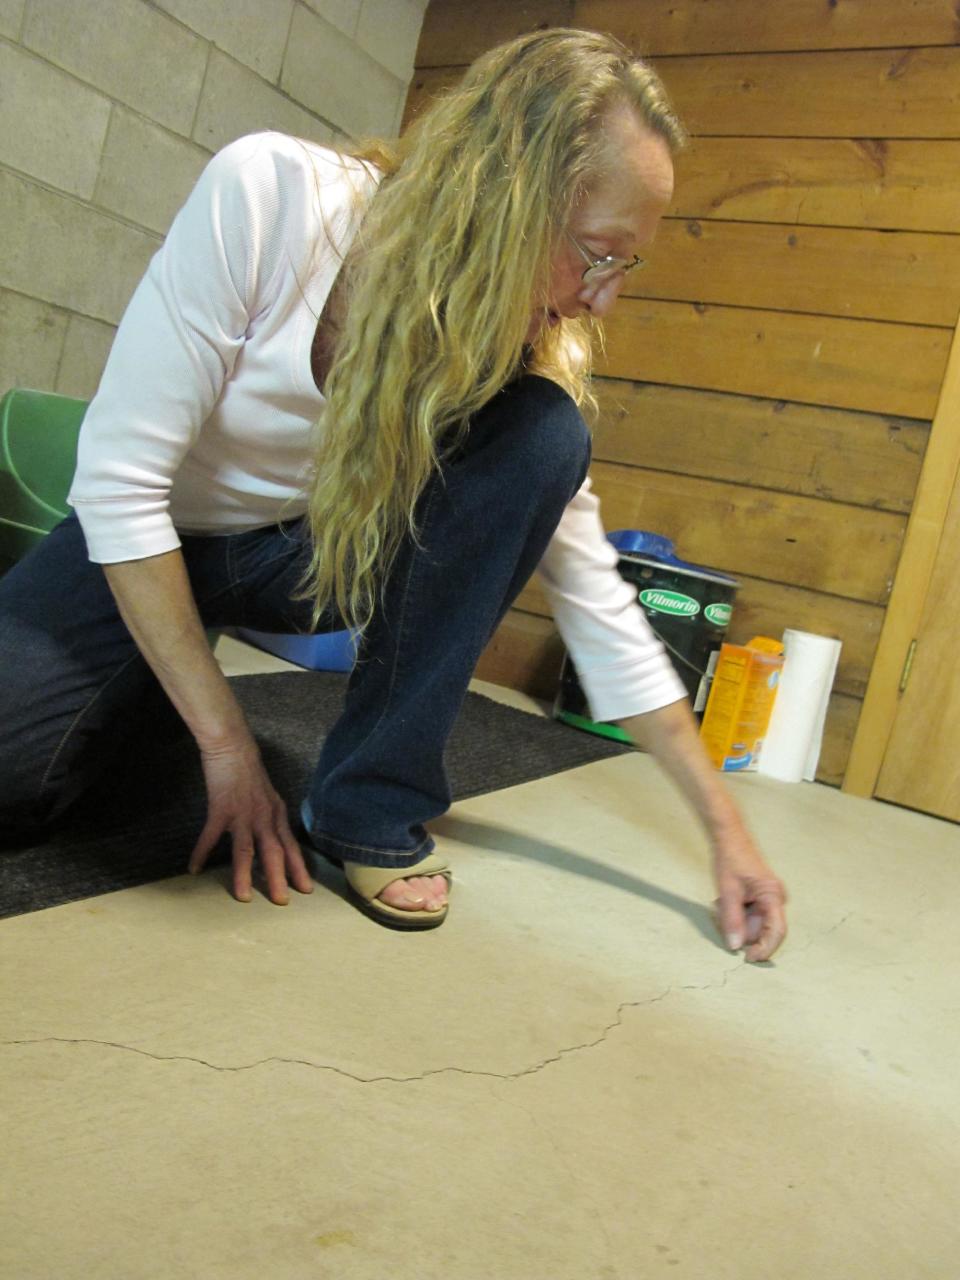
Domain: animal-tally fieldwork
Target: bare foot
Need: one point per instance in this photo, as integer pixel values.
(416, 893)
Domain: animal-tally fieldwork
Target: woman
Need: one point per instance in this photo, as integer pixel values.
(427, 307)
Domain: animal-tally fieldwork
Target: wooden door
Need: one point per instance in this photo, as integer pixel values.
(921, 766)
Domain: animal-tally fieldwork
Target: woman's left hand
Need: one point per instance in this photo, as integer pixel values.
(750, 903)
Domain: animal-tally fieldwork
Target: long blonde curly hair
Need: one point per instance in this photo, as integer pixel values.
(442, 278)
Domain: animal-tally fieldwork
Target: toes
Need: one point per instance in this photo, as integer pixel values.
(436, 892)
(432, 890)
(416, 893)
(405, 893)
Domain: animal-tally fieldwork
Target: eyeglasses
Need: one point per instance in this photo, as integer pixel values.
(603, 268)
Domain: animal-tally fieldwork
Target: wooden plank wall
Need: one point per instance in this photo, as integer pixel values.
(770, 378)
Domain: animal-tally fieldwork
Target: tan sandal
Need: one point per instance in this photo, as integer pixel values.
(365, 883)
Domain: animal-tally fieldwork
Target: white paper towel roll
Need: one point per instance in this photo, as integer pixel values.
(791, 748)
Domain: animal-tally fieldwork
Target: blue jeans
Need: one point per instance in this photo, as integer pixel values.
(73, 685)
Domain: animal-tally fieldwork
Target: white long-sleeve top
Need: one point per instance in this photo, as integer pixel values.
(205, 415)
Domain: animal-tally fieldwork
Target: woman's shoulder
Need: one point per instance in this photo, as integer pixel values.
(292, 165)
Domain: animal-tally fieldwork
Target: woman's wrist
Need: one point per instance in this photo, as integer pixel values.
(222, 730)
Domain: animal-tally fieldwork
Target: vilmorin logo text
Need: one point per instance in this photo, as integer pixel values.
(672, 602)
(719, 614)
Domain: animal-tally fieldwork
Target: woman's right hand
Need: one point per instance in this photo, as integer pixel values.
(242, 802)
(156, 601)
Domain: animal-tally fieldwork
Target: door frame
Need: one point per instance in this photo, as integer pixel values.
(901, 625)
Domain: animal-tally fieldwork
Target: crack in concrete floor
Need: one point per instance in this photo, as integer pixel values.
(825, 933)
(434, 1071)
(388, 1079)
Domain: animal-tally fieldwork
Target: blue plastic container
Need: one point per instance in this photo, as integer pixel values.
(332, 651)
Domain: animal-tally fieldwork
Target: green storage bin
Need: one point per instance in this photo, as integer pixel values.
(38, 455)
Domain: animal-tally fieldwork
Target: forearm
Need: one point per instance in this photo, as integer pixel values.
(671, 735)
(750, 897)
(157, 605)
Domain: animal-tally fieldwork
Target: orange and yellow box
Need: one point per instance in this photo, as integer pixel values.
(741, 700)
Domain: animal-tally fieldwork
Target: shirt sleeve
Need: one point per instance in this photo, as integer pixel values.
(623, 668)
(177, 343)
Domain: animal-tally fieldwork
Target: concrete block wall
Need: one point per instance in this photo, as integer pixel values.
(109, 109)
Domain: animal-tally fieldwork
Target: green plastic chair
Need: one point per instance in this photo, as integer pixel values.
(38, 456)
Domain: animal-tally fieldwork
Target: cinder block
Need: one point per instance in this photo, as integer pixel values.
(50, 126)
(252, 31)
(85, 352)
(344, 14)
(337, 80)
(389, 30)
(236, 102)
(127, 49)
(31, 339)
(63, 252)
(146, 173)
(11, 16)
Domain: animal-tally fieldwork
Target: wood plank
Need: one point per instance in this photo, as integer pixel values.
(533, 599)
(525, 654)
(909, 277)
(859, 182)
(920, 763)
(891, 185)
(424, 87)
(839, 731)
(935, 490)
(824, 546)
(766, 608)
(849, 364)
(730, 26)
(455, 32)
(860, 458)
(895, 93)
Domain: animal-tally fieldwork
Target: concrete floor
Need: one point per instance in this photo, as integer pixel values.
(570, 1080)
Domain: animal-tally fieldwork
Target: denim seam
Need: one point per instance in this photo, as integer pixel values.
(374, 848)
(401, 623)
(236, 579)
(262, 564)
(230, 559)
(237, 586)
(101, 690)
(79, 716)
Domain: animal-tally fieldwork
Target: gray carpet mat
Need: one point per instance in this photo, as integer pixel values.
(141, 825)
